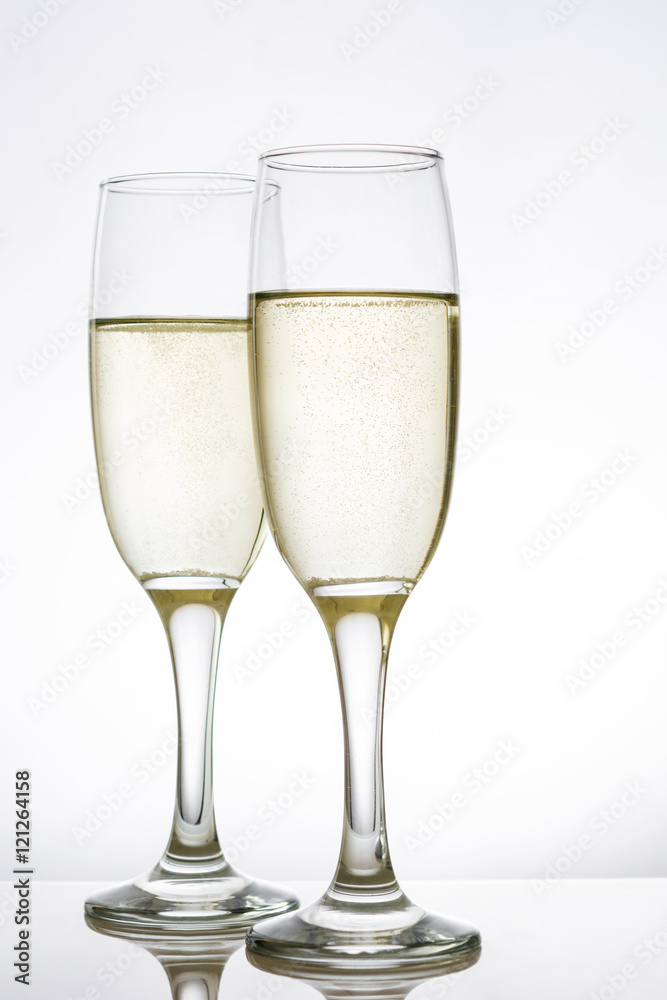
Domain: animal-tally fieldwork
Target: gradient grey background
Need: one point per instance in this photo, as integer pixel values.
(514, 95)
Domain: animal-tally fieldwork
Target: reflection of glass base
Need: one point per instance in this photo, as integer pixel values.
(362, 937)
(164, 902)
(365, 984)
(194, 963)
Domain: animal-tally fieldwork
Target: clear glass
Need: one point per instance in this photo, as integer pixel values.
(176, 462)
(354, 311)
(195, 967)
(193, 963)
(396, 983)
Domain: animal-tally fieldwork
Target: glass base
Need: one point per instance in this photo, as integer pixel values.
(345, 935)
(165, 902)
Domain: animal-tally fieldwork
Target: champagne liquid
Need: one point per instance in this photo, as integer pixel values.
(356, 411)
(168, 601)
(173, 437)
(385, 607)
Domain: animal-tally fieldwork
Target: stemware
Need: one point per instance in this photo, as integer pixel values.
(173, 440)
(354, 311)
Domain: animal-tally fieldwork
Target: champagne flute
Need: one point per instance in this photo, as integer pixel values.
(355, 349)
(173, 440)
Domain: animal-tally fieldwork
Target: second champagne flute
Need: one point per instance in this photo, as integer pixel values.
(355, 335)
(169, 356)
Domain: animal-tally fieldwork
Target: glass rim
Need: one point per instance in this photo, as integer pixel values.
(396, 157)
(167, 182)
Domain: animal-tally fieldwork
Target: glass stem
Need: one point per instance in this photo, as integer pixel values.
(189, 985)
(193, 622)
(360, 629)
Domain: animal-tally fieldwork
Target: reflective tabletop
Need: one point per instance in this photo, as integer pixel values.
(588, 939)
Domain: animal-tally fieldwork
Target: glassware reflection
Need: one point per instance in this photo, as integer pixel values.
(193, 963)
(365, 985)
(194, 966)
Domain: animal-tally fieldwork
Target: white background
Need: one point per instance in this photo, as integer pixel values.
(550, 87)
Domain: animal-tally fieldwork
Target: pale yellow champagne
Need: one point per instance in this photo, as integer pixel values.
(173, 436)
(356, 412)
